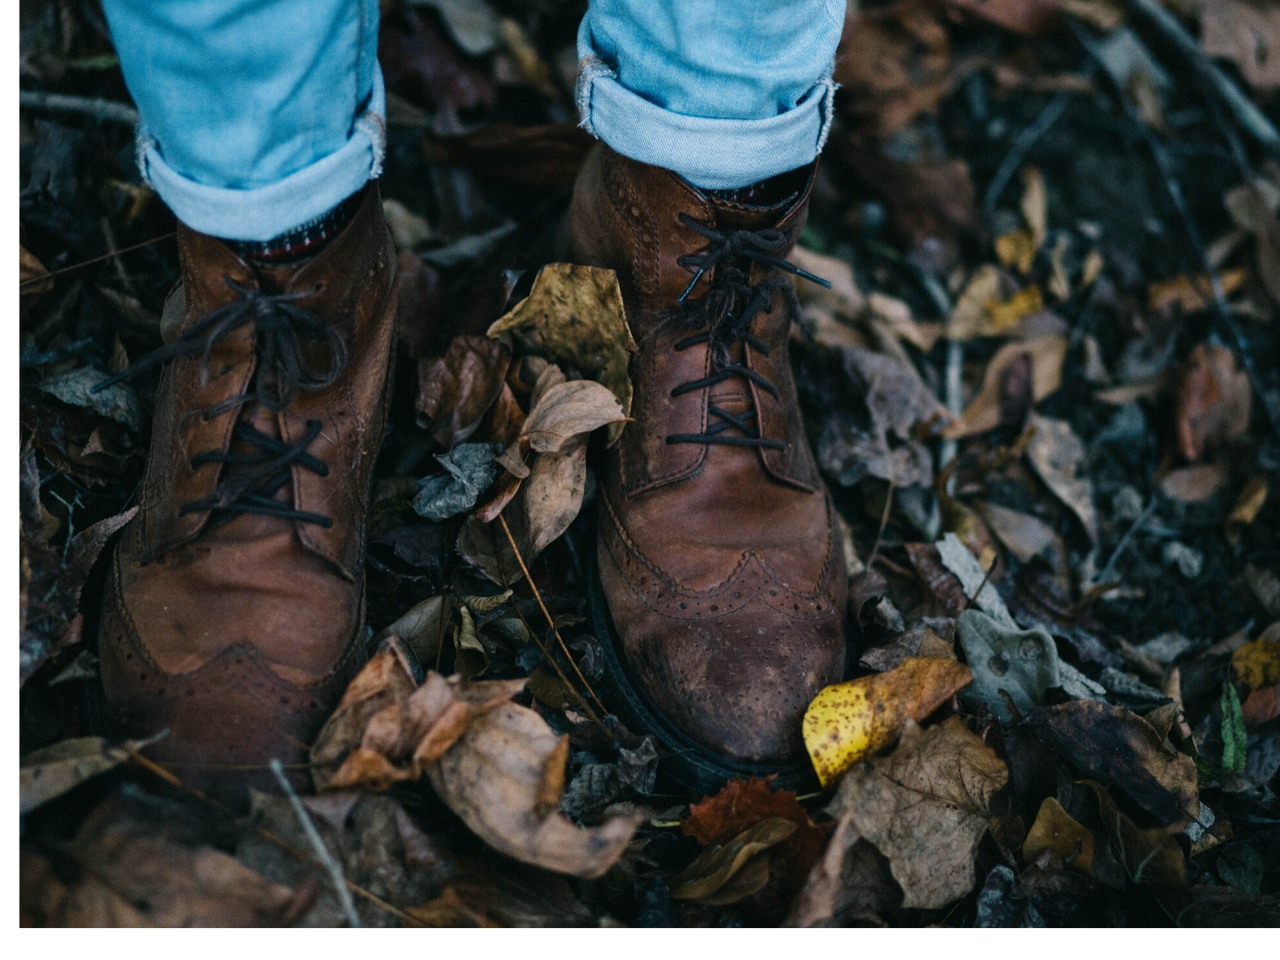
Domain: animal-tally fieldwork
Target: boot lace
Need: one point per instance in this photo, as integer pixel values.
(724, 316)
(283, 332)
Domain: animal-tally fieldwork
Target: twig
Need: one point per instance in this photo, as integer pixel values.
(85, 263)
(954, 399)
(110, 235)
(261, 831)
(309, 828)
(550, 622)
(884, 522)
(533, 635)
(1054, 109)
(970, 601)
(1248, 115)
(1124, 541)
(93, 106)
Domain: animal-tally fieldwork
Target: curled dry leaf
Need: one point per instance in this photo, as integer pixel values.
(456, 391)
(574, 315)
(423, 627)
(1120, 748)
(1058, 456)
(853, 720)
(504, 777)
(1055, 830)
(1214, 401)
(1025, 536)
(1044, 356)
(726, 874)
(925, 807)
(53, 770)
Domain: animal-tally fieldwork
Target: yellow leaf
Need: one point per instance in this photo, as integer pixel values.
(1093, 264)
(1017, 248)
(1250, 501)
(850, 721)
(1257, 664)
(1055, 830)
(1190, 295)
(1002, 316)
(1035, 206)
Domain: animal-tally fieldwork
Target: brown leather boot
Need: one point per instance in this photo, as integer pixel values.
(719, 556)
(234, 609)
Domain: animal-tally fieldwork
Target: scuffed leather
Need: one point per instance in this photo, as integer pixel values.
(722, 566)
(241, 637)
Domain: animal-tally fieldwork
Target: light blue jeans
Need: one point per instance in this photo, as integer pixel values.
(259, 115)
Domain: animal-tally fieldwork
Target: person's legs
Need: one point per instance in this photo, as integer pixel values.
(721, 568)
(724, 94)
(258, 115)
(234, 610)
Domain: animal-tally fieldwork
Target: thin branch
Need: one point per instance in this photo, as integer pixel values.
(884, 522)
(85, 263)
(550, 622)
(309, 828)
(112, 110)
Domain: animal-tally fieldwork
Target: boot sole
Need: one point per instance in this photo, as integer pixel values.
(686, 761)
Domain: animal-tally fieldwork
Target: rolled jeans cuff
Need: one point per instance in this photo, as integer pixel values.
(263, 213)
(711, 153)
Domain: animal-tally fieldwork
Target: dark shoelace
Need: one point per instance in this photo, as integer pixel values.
(726, 312)
(282, 332)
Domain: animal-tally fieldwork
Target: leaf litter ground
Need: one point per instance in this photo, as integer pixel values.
(1042, 389)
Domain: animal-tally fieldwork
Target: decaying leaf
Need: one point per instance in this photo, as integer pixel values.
(574, 315)
(456, 390)
(1058, 456)
(1257, 663)
(1246, 34)
(1025, 536)
(1196, 483)
(423, 627)
(852, 883)
(726, 874)
(469, 469)
(53, 770)
(1121, 749)
(1044, 356)
(1214, 400)
(925, 807)
(495, 778)
(850, 721)
(1055, 830)
(1020, 664)
(1147, 856)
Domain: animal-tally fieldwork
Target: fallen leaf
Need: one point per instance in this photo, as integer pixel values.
(1194, 484)
(574, 315)
(728, 873)
(469, 469)
(1250, 501)
(117, 402)
(968, 316)
(1000, 903)
(925, 807)
(1252, 206)
(739, 804)
(1246, 34)
(1019, 664)
(973, 579)
(1214, 401)
(850, 721)
(852, 882)
(1028, 17)
(1121, 749)
(51, 771)
(1058, 456)
(1017, 248)
(456, 391)
(893, 63)
(1234, 737)
(1261, 706)
(1257, 663)
(30, 272)
(567, 410)
(1045, 355)
(843, 296)
(423, 627)
(1003, 315)
(1189, 296)
(493, 778)
(1147, 856)
(1055, 830)
(931, 637)
(1025, 536)
(422, 65)
(407, 229)
(896, 314)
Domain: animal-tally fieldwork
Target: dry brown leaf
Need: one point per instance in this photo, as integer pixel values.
(493, 778)
(30, 270)
(1253, 208)
(896, 314)
(969, 314)
(456, 391)
(1058, 456)
(423, 627)
(51, 771)
(1002, 316)
(853, 720)
(1025, 536)
(1055, 830)
(893, 62)
(1027, 17)
(567, 410)
(1044, 356)
(925, 807)
(726, 874)
(1017, 248)
(1214, 401)
(851, 882)
(842, 298)
(1250, 501)
(574, 315)
(1120, 748)
(1148, 856)
(1194, 484)
(1248, 35)
(1191, 296)
(1148, 388)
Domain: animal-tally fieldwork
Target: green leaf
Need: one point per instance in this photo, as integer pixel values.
(1233, 735)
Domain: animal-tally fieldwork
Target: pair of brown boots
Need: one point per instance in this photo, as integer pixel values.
(234, 608)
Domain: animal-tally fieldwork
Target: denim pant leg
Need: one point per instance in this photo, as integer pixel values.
(724, 93)
(257, 115)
